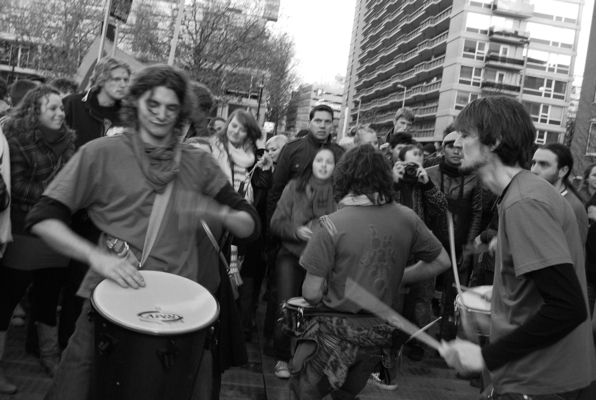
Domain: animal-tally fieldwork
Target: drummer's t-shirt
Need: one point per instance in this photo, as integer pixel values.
(371, 245)
(105, 178)
(537, 229)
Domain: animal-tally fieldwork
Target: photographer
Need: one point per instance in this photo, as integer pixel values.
(415, 190)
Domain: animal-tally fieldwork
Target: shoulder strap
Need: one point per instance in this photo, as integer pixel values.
(157, 213)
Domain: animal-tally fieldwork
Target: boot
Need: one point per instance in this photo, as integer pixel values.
(49, 351)
(6, 386)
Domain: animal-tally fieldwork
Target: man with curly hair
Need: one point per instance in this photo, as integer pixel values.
(368, 241)
(117, 179)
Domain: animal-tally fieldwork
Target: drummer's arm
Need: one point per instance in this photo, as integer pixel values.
(313, 288)
(237, 215)
(564, 308)
(425, 270)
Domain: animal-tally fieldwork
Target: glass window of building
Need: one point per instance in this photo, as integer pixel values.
(501, 23)
(550, 62)
(470, 75)
(548, 88)
(481, 3)
(551, 35)
(462, 99)
(556, 10)
(545, 113)
(541, 137)
(474, 49)
(478, 23)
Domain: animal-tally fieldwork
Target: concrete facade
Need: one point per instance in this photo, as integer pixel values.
(442, 54)
(308, 96)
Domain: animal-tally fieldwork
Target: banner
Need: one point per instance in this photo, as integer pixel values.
(120, 9)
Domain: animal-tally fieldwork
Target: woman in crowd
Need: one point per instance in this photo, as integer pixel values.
(302, 202)
(588, 191)
(249, 171)
(40, 145)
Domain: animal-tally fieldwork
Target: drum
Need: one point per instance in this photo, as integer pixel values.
(293, 315)
(473, 310)
(149, 342)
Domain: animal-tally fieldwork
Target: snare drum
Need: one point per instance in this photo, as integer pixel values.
(294, 313)
(474, 311)
(149, 342)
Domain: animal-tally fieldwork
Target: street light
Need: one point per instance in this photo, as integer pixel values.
(358, 114)
(403, 100)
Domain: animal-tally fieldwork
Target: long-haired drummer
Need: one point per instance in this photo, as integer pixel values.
(117, 179)
(540, 335)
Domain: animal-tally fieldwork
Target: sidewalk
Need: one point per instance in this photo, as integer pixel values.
(429, 379)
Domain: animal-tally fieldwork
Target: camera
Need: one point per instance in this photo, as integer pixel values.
(411, 172)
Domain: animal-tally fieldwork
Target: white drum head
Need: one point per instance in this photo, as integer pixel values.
(168, 304)
(472, 298)
(299, 302)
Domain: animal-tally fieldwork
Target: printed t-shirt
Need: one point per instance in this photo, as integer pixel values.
(371, 245)
(537, 229)
(105, 178)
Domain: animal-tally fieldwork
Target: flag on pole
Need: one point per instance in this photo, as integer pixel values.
(121, 9)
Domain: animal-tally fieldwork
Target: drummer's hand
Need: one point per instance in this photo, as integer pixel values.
(120, 270)
(492, 246)
(304, 233)
(488, 295)
(464, 356)
(477, 241)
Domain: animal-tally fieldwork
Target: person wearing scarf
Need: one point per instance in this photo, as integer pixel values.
(302, 203)
(40, 145)
(360, 251)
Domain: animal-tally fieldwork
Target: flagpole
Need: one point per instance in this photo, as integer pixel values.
(114, 45)
(176, 32)
(104, 30)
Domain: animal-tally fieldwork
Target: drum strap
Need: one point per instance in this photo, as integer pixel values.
(214, 243)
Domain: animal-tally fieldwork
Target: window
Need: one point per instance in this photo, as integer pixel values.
(541, 137)
(556, 10)
(545, 113)
(551, 35)
(478, 23)
(474, 49)
(470, 75)
(542, 87)
(501, 23)
(591, 145)
(463, 98)
(481, 3)
(551, 62)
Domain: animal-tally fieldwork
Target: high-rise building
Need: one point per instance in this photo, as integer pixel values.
(436, 56)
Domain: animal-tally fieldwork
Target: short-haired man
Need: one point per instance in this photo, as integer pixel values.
(64, 85)
(19, 89)
(540, 333)
(554, 163)
(368, 241)
(117, 179)
(199, 117)
(464, 197)
(298, 152)
(402, 122)
(365, 135)
(91, 114)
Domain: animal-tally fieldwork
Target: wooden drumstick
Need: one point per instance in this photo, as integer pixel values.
(361, 297)
(452, 249)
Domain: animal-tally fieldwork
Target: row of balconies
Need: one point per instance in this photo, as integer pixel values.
(426, 45)
(431, 21)
(420, 112)
(399, 96)
(402, 76)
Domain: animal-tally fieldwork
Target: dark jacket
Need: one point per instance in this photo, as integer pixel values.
(292, 160)
(87, 118)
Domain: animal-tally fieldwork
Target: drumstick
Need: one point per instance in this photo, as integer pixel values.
(452, 248)
(360, 296)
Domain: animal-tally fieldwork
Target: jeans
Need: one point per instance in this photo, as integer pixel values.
(289, 276)
(312, 383)
(417, 302)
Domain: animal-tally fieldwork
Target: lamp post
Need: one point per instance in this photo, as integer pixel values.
(403, 100)
(358, 114)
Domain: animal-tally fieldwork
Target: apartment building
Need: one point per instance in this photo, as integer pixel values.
(306, 97)
(436, 56)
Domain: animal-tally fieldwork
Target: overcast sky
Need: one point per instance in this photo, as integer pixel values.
(322, 32)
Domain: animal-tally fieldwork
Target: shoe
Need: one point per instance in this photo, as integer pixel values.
(17, 321)
(281, 370)
(19, 312)
(416, 353)
(375, 380)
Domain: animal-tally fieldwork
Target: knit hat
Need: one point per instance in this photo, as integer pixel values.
(429, 148)
(452, 137)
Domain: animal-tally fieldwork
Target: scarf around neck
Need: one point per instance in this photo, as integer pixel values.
(55, 139)
(449, 169)
(361, 200)
(157, 163)
(242, 156)
(321, 194)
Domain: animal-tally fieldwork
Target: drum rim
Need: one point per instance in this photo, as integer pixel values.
(151, 332)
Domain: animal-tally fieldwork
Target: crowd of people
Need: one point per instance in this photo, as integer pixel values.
(357, 230)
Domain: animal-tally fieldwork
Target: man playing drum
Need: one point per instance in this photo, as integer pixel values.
(540, 335)
(117, 179)
(368, 241)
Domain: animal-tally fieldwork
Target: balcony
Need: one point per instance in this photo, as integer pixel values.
(508, 36)
(498, 61)
(513, 8)
(492, 87)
